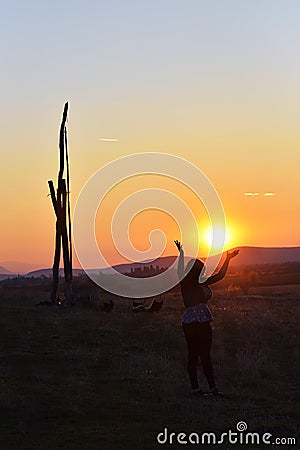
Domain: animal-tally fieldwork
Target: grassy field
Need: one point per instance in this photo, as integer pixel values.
(77, 379)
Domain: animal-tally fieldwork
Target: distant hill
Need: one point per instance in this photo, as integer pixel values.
(4, 271)
(165, 261)
(48, 273)
(265, 255)
(247, 256)
(18, 267)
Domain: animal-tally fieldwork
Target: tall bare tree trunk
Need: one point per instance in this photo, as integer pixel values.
(63, 234)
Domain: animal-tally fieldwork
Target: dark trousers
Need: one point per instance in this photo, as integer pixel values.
(199, 339)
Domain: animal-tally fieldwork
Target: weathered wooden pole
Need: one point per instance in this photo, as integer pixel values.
(55, 268)
(69, 206)
(63, 234)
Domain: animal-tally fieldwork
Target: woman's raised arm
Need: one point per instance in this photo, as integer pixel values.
(222, 272)
(180, 268)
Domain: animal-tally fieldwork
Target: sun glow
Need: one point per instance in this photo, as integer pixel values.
(206, 238)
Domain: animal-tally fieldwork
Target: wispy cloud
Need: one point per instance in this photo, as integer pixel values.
(108, 139)
(256, 194)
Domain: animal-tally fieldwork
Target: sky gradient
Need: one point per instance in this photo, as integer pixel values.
(215, 82)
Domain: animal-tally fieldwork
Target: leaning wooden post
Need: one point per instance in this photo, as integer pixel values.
(55, 269)
(60, 202)
(69, 206)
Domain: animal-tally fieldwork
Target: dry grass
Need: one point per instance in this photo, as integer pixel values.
(77, 379)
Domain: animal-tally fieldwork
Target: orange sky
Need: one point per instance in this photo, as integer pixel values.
(223, 95)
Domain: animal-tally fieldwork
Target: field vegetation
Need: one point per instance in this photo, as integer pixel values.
(80, 378)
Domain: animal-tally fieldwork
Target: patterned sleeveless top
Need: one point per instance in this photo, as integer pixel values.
(200, 312)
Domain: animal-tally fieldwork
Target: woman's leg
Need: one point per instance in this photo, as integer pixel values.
(191, 336)
(205, 342)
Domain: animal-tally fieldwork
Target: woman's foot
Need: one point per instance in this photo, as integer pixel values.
(197, 392)
(214, 392)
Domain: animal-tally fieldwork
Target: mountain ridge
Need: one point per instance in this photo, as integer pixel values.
(249, 255)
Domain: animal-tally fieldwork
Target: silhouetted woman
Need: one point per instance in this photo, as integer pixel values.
(197, 317)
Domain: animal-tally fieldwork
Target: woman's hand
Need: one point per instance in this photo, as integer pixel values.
(232, 254)
(178, 245)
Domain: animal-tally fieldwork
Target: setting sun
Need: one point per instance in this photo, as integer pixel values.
(206, 237)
